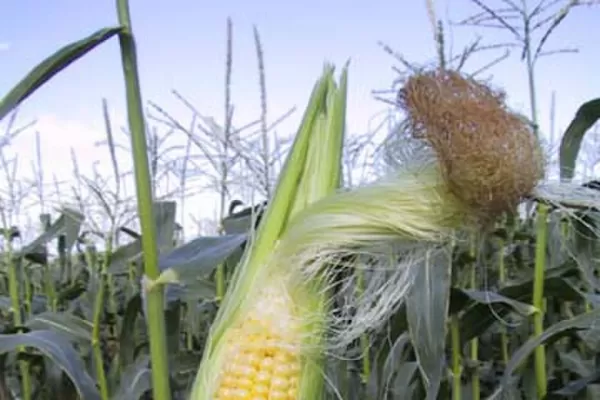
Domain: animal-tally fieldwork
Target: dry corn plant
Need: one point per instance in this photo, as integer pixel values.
(358, 157)
(232, 161)
(114, 204)
(16, 195)
(530, 25)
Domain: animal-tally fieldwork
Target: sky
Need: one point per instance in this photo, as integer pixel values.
(181, 45)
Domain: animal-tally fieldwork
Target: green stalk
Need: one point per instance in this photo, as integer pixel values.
(155, 298)
(49, 280)
(538, 298)
(456, 367)
(456, 350)
(97, 323)
(111, 304)
(220, 283)
(364, 339)
(530, 69)
(510, 224)
(13, 288)
(476, 390)
(189, 338)
(28, 294)
(224, 166)
(502, 279)
(131, 275)
(49, 285)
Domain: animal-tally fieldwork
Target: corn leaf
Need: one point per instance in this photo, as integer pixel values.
(585, 118)
(136, 380)
(164, 214)
(69, 223)
(396, 372)
(68, 324)
(561, 329)
(245, 220)
(198, 289)
(198, 257)
(427, 312)
(573, 362)
(127, 253)
(164, 219)
(127, 350)
(61, 351)
(579, 386)
(461, 298)
(478, 318)
(51, 66)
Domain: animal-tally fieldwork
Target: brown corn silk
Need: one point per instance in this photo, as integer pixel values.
(489, 156)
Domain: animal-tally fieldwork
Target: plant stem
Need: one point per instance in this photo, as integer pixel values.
(132, 275)
(49, 282)
(538, 298)
(13, 287)
(155, 298)
(97, 322)
(189, 338)
(28, 294)
(474, 343)
(224, 166)
(49, 285)
(530, 68)
(502, 279)
(364, 339)
(456, 366)
(455, 343)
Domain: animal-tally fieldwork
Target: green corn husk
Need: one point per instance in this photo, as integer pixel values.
(265, 315)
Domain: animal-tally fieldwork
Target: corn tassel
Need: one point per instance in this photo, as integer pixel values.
(265, 339)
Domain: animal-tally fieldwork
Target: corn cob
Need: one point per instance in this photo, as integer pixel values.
(262, 366)
(264, 342)
(264, 358)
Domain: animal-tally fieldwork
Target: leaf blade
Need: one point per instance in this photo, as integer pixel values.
(51, 66)
(586, 116)
(56, 347)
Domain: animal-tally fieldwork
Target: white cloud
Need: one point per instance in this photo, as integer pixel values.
(57, 137)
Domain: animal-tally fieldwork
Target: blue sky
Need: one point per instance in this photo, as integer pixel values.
(181, 46)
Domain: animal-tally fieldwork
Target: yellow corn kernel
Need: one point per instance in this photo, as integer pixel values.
(260, 359)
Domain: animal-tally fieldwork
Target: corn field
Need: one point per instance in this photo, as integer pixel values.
(458, 270)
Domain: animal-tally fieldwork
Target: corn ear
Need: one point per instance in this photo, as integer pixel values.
(264, 342)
